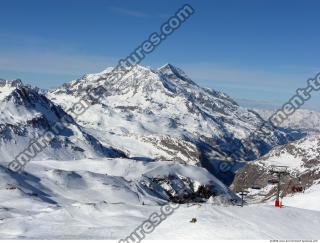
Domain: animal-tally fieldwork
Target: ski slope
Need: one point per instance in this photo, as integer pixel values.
(250, 222)
(116, 221)
(108, 198)
(310, 199)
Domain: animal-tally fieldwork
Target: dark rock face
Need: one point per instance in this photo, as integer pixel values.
(251, 175)
(179, 189)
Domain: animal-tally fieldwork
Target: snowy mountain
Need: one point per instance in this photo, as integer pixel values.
(25, 114)
(163, 114)
(167, 127)
(306, 120)
(302, 158)
(115, 181)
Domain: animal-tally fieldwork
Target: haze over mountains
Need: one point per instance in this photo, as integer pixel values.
(306, 120)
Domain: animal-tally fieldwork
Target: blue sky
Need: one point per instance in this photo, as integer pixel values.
(252, 49)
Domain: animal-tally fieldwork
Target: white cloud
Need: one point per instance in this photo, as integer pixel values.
(137, 13)
(129, 12)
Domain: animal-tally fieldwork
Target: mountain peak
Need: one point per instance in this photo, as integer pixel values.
(172, 72)
(9, 86)
(106, 70)
(168, 67)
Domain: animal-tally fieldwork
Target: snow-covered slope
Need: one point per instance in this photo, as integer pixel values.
(234, 223)
(308, 199)
(25, 114)
(306, 120)
(300, 155)
(153, 181)
(55, 189)
(163, 114)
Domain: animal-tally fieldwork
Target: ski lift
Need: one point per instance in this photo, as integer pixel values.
(243, 193)
(279, 171)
